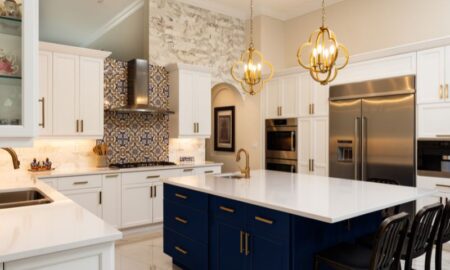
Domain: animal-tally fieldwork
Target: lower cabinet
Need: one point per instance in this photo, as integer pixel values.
(90, 199)
(136, 205)
(100, 257)
(111, 199)
(430, 120)
(237, 235)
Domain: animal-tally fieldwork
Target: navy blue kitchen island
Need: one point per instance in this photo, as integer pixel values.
(214, 223)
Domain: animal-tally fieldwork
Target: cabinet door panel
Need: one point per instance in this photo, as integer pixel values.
(226, 247)
(272, 93)
(203, 106)
(289, 97)
(88, 199)
(304, 96)
(447, 74)
(136, 205)
(187, 99)
(319, 145)
(45, 93)
(65, 93)
(158, 202)
(268, 253)
(320, 96)
(111, 199)
(304, 144)
(432, 120)
(91, 96)
(430, 75)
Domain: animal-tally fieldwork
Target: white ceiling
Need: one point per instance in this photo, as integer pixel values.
(280, 9)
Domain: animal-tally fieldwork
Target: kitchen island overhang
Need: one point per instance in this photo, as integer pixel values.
(274, 218)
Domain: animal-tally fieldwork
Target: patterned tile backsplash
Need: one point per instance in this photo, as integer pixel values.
(134, 137)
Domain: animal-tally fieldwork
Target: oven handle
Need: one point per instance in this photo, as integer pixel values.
(292, 141)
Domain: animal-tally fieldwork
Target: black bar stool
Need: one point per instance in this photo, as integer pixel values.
(443, 235)
(422, 235)
(385, 254)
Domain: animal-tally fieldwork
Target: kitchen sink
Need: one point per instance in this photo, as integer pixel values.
(231, 176)
(20, 198)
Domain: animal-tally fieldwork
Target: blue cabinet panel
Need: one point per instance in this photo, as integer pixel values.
(186, 253)
(186, 197)
(268, 222)
(186, 221)
(231, 211)
(268, 254)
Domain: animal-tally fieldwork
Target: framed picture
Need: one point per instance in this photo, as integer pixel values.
(224, 129)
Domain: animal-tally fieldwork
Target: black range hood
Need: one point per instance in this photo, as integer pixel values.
(138, 90)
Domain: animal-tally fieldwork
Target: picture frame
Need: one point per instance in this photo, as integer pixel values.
(224, 129)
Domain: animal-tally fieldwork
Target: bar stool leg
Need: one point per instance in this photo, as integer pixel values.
(316, 264)
(428, 259)
(438, 262)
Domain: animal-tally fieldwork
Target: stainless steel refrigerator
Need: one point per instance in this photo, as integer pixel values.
(372, 130)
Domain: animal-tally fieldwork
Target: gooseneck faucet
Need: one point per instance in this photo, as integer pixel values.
(246, 170)
(15, 159)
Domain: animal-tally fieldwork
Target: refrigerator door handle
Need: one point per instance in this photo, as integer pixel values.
(356, 152)
(364, 149)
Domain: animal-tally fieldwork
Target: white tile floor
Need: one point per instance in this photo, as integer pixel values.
(145, 252)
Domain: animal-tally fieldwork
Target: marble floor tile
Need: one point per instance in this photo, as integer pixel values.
(145, 252)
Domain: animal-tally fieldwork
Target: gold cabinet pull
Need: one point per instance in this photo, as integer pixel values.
(312, 108)
(181, 220)
(181, 196)
(209, 172)
(241, 242)
(446, 91)
(111, 176)
(264, 220)
(78, 125)
(312, 165)
(154, 192)
(42, 124)
(188, 170)
(444, 186)
(441, 90)
(153, 176)
(281, 110)
(247, 249)
(226, 209)
(180, 250)
(82, 126)
(100, 199)
(80, 183)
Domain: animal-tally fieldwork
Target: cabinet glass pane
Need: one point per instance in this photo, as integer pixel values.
(10, 67)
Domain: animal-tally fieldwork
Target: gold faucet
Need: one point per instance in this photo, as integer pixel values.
(246, 170)
(15, 159)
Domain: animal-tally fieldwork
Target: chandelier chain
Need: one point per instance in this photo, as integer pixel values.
(251, 23)
(323, 13)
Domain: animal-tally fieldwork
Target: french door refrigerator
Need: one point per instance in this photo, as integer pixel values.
(372, 130)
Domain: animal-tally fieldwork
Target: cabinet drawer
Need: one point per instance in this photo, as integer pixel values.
(80, 182)
(186, 197)
(184, 252)
(268, 222)
(208, 170)
(228, 210)
(188, 222)
(145, 177)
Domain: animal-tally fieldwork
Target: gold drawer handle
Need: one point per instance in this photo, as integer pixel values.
(444, 186)
(247, 249)
(112, 176)
(182, 251)
(178, 195)
(181, 220)
(226, 209)
(81, 183)
(188, 170)
(264, 220)
(208, 172)
(241, 242)
(153, 176)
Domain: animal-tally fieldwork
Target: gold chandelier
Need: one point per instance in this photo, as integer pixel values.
(325, 51)
(250, 69)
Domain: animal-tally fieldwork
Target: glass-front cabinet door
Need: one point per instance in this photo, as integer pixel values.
(19, 37)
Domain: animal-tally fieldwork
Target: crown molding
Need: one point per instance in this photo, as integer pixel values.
(116, 20)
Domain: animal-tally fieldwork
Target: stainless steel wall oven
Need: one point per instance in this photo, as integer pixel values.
(281, 144)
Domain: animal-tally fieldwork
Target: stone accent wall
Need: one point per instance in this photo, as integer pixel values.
(181, 33)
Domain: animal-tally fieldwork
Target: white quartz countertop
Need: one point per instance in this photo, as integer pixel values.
(75, 171)
(321, 198)
(47, 228)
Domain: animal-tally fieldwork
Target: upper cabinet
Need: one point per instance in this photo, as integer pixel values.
(433, 75)
(71, 91)
(295, 95)
(190, 99)
(19, 36)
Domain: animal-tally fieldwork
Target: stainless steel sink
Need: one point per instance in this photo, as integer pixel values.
(25, 197)
(231, 176)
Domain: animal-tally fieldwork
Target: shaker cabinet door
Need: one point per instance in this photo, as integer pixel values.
(88, 199)
(289, 96)
(304, 95)
(136, 205)
(45, 93)
(158, 202)
(304, 145)
(319, 144)
(227, 246)
(187, 99)
(272, 94)
(66, 72)
(203, 104)
(430, 76)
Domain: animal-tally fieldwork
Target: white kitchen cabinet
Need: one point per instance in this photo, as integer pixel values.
(53, 182)
(89, 199)
(157, 202)
(111, 199)
(433, 120)
(45, 93)
(19, 90)
(313, 97)
(313, 146)
(73, 90)
(137, 205)
(281, 96)
(98, 257)
(440, 184)
(190, 99)
(431, 79)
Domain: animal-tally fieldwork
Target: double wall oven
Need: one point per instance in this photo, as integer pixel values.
(281, 144)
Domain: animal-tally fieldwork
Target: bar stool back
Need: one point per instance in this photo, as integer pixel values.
(443, 235)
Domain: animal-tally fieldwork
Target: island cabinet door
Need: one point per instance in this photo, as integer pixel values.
(267, 253)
